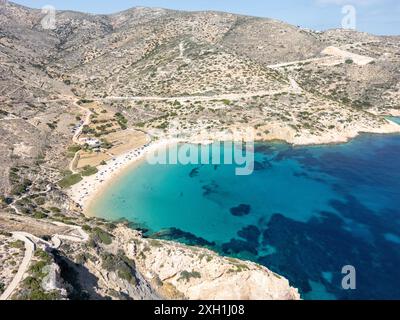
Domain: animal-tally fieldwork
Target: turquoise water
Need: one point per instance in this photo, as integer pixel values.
(395, 119)
(305, 212)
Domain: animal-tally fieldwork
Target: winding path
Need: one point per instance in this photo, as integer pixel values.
(86, 122)
(75, 138)
(13, 206)
(331, 54)
(29, 250)
(228, 96)
(31, 242)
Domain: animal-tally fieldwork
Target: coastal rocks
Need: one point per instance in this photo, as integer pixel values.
(200, 274)
(112, 276)
(185, 237)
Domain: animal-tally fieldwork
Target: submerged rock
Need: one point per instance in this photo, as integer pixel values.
(241, 210)
(194, 173)
(183, 236)
(238, 246)
(250, 234)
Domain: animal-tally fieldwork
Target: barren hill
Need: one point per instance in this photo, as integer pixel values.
(155, 72)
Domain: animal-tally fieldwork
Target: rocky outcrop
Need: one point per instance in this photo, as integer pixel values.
(180, 271)
(53, 281)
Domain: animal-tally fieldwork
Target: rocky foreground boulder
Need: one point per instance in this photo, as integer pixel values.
(181, 271)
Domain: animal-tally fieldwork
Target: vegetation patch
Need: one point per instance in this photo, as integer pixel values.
(17, 244)
(32, 286)
(120, 264)
(122, 121)
(89, 171)
(39, 215)
(70, 180)
(102, 236)
(74, 148)
(186, 275)
(239, 268)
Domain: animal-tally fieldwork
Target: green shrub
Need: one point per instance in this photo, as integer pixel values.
(43, 255)
(105, 144)
(40, 201)
(55, 210)
(102, 236)
(126, 274)
(39, 215)
(186, 275)
(70, 180)
(21, 188)
(122, 121)
(155, 243)
(17, 244)
(74, 148)
(85, 101)
(239, 268)
(51, 125)
(32, 290)
(122, 265)
(89, 171)
(36, 269)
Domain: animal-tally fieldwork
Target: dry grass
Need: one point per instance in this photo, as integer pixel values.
(122, 141)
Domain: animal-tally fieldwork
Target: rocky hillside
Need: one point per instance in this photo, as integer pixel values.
(119, 263)
(163, 72)
(146, 52)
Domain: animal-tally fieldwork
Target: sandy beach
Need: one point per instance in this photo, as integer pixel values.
(84, 192)
(90, 187)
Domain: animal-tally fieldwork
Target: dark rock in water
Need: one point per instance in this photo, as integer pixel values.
(182, 236)
(251, 234)
(327, 245)
(210, 188)
(238, 246)
(137, 226)
(144, 231)
(258, 166)
(301, 278)
(299, 174)
(241, 210)
(263, 148)
(303, 156)
(194, 173)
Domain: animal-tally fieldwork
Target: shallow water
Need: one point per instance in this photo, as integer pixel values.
(305, 212)
(395, 119)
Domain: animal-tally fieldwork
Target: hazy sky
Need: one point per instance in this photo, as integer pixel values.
(374, 16)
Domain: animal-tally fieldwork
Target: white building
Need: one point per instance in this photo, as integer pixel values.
(92, 142)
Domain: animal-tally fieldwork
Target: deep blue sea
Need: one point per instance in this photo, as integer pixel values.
(304, 213)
